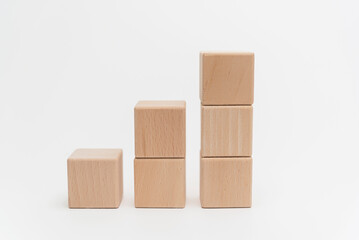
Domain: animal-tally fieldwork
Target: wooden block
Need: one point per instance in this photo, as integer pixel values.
(160, 129)
(226, 131)
(160, 183)
(95, 178)
(226, 182)
(227, 78)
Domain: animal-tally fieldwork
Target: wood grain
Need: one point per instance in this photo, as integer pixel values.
(160, 183)
(226, 131)
(226, 182)
(226, 78)
(95, 178)
(160, 129)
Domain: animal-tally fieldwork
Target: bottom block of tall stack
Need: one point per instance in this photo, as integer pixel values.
(160, 183)
(226, 182)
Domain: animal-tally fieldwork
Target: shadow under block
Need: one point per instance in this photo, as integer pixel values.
(160, 129)
(227, 78)
(226, 131)
(160, 183)
(226, 182)
(95, 178)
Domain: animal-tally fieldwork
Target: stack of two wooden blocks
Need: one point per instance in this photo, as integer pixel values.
(160, 149)
(227, 82)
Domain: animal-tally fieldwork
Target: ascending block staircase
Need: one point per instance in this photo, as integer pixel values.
(226, 85)
(95, 175)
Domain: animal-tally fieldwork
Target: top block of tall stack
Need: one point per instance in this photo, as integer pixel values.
(227, 78)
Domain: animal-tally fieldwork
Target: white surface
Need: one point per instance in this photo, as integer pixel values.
(72, 71)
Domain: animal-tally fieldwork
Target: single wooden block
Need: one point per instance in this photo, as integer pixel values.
(227, 78)
(226, 131)
(226, 182)
(160, 129)
(160, 183)
(95, 178)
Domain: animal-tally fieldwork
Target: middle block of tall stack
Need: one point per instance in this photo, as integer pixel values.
(160, 149)
(226, 85)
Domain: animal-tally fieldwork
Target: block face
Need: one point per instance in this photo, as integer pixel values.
(226, 182)
(160, 129)
(160, 183)
(226, 131)
(227, 78)
(95, 178)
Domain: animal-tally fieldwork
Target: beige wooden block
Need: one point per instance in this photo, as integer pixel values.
(226, 131)
(95, 178)
(227, 78)
(226, 182)
(160, 183)
(160, 129)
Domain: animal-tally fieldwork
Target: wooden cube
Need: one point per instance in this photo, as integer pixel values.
(226, 182)
(160, 183)
(227, 78)
(160, 129)
(226, 131)
(95, 178)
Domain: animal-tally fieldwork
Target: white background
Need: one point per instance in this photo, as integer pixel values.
(71, 72)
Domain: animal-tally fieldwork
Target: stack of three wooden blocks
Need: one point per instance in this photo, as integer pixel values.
(226, 84)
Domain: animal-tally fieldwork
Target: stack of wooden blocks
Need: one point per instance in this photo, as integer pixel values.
(160, 149)
(226, 84)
